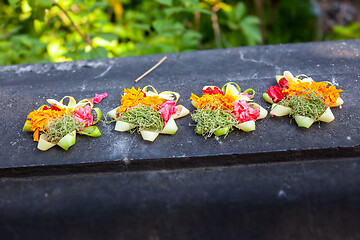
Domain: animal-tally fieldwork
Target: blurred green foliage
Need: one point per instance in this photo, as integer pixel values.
(43, 30)
(291, 21)
(351, 31)
(49, 30)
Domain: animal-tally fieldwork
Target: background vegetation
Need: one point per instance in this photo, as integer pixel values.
(46, 30)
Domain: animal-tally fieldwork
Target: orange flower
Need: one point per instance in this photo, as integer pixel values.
(131, 98)
(214, 101)
(329, 93)
(152, 101)
(40, 120)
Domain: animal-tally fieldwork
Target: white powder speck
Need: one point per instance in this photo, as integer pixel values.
(333, 80)
(281, 193)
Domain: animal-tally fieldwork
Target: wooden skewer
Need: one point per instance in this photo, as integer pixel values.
(148, 71)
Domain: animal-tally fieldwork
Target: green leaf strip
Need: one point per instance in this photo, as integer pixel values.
(91, 131)
(248, 91)
(98, 115)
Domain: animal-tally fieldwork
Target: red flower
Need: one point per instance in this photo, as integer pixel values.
(283, 83)
(211, 92)
(55, 108)
(275, 92)
(243, 112)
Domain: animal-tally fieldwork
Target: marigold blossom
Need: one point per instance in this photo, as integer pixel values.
(329, 93)
(214, 101)
(152, 101)
(131, 98)
(40, 119)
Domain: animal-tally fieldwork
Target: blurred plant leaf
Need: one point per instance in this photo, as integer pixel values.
(107, 36)
(239, 11)
(351, 31)
(165, 2)
(44, 3)
(13, 3)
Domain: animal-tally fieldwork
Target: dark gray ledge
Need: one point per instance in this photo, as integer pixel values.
(279, 182)
(297, 200)
(26, 87)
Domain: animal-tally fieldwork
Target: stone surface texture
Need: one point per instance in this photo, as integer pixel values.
(26, 87)
(298, 200)
(279, 182)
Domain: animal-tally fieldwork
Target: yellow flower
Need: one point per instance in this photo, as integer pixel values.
(329, 93)
(40, 120)
(152, 101)
(214, 101)
(131, 98)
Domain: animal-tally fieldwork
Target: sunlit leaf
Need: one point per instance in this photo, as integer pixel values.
(251, 30)
(13, 3)
(145, 27)
(44, 3)
(98, 52)
(240, 11)
(107, 36)
(165, 2)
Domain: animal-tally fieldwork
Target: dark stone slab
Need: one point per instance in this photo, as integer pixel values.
(26, 87)
(301, 200)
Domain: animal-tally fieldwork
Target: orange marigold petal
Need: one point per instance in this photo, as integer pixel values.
(214, 101)
(36, 135)
(330, 93)
(151, 100)
(131, 98)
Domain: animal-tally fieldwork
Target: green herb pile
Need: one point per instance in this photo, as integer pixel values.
(144, 117)
(309, 104)
(209, 120)
(60, 127)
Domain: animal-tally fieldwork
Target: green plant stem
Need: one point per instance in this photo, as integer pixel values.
(216, 27)
(87, 40)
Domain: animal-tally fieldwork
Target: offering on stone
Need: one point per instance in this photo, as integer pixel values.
(148, 112)
(218, 111)
(58, 124)
(303, 99)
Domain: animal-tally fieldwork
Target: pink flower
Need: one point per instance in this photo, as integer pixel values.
(84, 115)
(167, 109)
(100, 97)
(243, 112)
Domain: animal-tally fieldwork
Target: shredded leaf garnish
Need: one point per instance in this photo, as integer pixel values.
(308, 104)
(145, 117)
(59, 127)
(209, 120)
